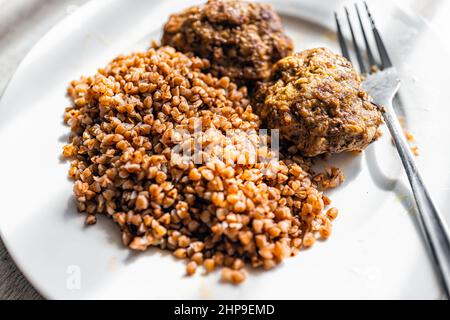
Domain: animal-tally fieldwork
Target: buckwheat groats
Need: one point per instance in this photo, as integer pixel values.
(241, 39)
(214, 205)
(315, 99)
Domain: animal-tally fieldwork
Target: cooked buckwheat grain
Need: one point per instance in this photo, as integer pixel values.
(127, 120)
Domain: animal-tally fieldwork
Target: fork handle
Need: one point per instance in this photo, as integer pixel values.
(435, 231)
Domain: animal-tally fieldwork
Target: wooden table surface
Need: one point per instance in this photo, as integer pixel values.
(24, 22)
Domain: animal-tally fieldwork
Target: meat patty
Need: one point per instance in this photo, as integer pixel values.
(315, 99)
(241, 39)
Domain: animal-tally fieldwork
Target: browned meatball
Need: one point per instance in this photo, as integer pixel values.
(315, 99)
(242, 40)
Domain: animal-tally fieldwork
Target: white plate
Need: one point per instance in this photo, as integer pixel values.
(375, 250)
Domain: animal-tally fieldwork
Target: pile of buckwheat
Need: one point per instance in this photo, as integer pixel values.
(225, 202)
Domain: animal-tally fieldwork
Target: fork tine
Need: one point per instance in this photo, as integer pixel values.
(370, 56)
(362, 66)
(341, 38)
(385, 60)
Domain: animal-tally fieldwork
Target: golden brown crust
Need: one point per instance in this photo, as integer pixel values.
(242, 40)
(315, 99)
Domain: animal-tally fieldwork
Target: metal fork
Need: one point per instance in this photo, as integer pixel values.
(382, 86)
